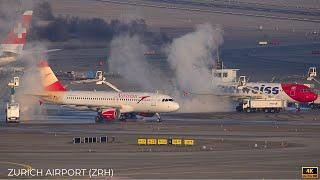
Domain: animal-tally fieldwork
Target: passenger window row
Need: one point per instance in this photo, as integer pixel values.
(87, 98)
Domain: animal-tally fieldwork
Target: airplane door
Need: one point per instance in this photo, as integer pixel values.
(154, 101)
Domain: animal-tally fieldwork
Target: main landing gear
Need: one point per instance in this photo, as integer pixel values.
(99, 118)
(123, 117)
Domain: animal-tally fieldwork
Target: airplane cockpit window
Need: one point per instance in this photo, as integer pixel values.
(165, 100)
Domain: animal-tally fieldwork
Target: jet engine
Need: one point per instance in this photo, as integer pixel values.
(110, 114)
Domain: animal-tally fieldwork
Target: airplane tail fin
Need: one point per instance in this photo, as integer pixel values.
(49, 80)
(17, 37)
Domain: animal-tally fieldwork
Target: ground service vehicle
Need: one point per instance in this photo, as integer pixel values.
(264, 105)
(12, 113)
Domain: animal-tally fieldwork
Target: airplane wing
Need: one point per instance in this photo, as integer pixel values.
(121, 108)
(40, 95)
(38, 51)
(85, 108)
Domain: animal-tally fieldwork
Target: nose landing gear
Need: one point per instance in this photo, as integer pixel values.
(158, 117)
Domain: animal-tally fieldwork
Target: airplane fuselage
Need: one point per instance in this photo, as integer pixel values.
(124, 101)
(288, 92)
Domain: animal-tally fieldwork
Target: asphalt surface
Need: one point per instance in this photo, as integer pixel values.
(228, 145)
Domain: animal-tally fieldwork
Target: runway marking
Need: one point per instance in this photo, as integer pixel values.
(28, 167)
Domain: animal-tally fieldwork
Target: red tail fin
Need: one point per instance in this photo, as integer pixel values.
(17, 36)
(49, 80)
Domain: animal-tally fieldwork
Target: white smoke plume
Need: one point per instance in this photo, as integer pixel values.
(30, 81)
(127, 57)
(191, 54)
(189, 58)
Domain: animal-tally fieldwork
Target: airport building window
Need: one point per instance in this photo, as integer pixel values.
(217, 74)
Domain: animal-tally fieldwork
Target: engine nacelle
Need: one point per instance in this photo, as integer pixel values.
(110, 114)
(146, 114)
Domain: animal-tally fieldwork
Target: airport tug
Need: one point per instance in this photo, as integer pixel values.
(13, 108)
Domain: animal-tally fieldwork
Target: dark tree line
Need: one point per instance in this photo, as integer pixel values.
(64, 28)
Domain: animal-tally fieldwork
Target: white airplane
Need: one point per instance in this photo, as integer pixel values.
(12, 46)
(108, 105)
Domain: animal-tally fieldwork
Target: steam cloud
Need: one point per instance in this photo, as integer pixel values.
(191, 54)
(10, 14)
(189, 58)
(29, 81)
(127, 57)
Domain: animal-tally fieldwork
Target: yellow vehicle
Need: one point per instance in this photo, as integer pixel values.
(176, 141)
(162, 141)
(188, 142)
(152, 141)
(142, 141)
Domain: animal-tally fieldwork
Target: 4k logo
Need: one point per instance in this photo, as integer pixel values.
(309, 172)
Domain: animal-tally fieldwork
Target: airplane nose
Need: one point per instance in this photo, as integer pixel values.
(175, 106)
(312, 97)
(315, 96)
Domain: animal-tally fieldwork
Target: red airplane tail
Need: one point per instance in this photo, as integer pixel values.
(49, 80)
(17, 37)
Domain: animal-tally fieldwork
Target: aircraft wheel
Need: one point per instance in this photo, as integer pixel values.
(312, 106)
(158, 117)
(123, 117)
(98, 119)
(239, 109)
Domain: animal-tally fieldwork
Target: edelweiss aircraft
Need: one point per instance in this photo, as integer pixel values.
(13, 44)
(226, 85)
(225, 81)
(109, 105)
(297, 93)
